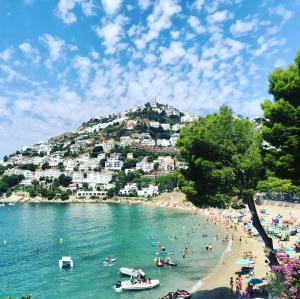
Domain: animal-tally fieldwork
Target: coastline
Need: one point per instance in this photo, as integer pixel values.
(215, 284)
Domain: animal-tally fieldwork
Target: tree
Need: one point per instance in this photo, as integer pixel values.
(60, 166)
(223, 155)
(64, 195)
(30, 166)
(64, 180)
(46, 165)
(281, 123)
(166, 182)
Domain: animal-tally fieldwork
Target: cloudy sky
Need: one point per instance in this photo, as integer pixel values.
(63, 62)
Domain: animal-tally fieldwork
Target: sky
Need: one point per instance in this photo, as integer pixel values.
(64, 62)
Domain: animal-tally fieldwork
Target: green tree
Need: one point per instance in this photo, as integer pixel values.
(167, 182)
(46, 166)
(64, 180)
(64, 195)
(129, 163)
(60, 166)
(30, 166)
(281, 123)
(223, 155)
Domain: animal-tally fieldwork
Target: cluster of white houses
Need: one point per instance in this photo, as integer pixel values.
(97, 172)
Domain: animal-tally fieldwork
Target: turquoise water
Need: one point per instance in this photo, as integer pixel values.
(29, 260)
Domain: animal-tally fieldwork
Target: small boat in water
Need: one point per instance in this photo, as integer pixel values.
(65, 262)
(162, 262)
(131, 271)
(2, 205)
(11, 204)
(108, 261)
(136, 285)
(180, 294)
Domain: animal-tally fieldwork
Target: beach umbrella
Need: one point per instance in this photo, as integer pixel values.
(244, 262)
(255, 281)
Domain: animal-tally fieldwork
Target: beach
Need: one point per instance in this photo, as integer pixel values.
(216, 283)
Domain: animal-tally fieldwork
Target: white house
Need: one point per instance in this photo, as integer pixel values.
(113, 164)
(125, 140)
(145, 136)
(98, 177)
(108, 146)
(129, 189)
(70, 164)
(77, 177)
(166, 126)
(154, 124)
(174, 137)
(130, 156)
(188, 117)
(148, 192)
(145, 166)
(165, 163)
(177, 127)
(163, 142)
(74, 149)
(148, 142)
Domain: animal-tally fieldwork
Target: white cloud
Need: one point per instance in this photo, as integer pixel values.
(171, 54)
(30, 52)
(55, 47)
(161, 17)
(111, 34)
(196, 25)
(240, 27)
(111, 6)
(88, 8)
(144, 4)
(6, 55)
(175, 34)
(65, 7)
(83, 65)
(266, 43)
(219, 17)
(282, 12)
(198, 4)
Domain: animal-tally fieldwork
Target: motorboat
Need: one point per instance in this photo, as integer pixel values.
(167, 261)
(179, 294)
(131, 271)
(108, 261)
(11, 204)
(136, 285)
(65, 262)
(162, 262)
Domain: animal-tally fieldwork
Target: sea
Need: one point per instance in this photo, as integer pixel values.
(33, 237)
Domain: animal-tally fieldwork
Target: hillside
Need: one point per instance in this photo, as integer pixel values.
(129, 153)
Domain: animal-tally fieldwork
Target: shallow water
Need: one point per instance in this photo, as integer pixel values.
(29, 260)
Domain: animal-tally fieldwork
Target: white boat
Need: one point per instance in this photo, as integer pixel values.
(11, 204)
(65, 262)
(2, 205)
(130, 285)
(131, 271)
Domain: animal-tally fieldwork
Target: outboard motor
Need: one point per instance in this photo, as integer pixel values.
(118, 284)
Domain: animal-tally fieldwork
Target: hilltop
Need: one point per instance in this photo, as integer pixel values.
(132, 153)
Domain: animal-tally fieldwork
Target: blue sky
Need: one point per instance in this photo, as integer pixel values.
(63, 62)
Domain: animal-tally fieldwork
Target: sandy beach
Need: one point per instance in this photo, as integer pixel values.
(216, 283)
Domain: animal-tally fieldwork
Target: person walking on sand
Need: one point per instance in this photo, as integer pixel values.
(231, 284)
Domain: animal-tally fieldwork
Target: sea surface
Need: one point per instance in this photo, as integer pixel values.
(34, 236)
